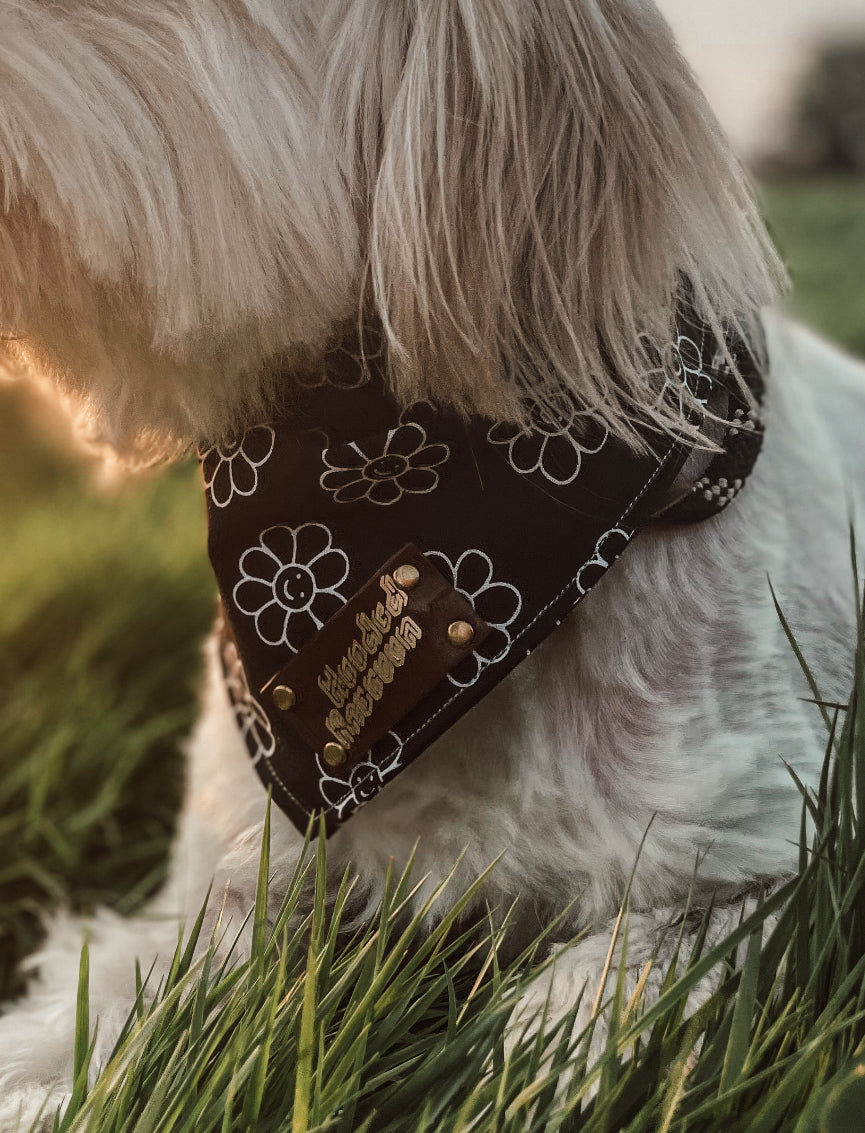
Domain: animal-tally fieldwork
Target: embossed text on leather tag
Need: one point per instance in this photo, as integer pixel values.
(375, 660)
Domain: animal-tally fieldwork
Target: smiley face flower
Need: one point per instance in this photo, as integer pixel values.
(289, 583)
(364, 781)
(404, 465)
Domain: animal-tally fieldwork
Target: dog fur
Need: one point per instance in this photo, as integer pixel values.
(196, 196)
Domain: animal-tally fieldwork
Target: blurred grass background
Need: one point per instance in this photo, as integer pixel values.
(104, 598)
(105, 595)
(818, 223)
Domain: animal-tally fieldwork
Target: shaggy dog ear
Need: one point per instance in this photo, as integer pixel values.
(536, 178)
(170, 217)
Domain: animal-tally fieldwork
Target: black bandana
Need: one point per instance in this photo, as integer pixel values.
(518, 523)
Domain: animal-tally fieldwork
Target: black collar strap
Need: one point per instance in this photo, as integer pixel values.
(381, 570)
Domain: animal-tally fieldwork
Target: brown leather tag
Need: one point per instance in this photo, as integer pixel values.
(375, 660)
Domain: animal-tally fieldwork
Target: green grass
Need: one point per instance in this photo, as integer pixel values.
(819, 227)
(395, 1030)
(104, 598)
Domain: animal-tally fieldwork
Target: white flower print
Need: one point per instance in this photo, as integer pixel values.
(681, 377)
(498, 603)
(607, 549)
(554, 443)
(406, 465)
(232, 469)
(251, 718)
(364, 781)
(289, 583)
(353, 370)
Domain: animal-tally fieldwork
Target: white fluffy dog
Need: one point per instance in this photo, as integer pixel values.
(512, 189)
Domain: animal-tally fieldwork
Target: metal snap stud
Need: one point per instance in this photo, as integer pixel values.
(335, 755)
(460, 634)
(284, 698)
(406, 576)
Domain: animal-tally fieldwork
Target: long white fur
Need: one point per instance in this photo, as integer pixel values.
(192, 189)
(189, 190)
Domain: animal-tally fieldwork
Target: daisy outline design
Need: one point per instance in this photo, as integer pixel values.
(680, 375)
(289, 583)
(556, 440)
(252, 720)
(404, 465)
(231, 469)
(498, 603)
(348, 377)
(607, 549)
(364, 781)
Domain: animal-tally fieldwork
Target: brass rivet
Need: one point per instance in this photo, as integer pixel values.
(284, 698)
(460, 634)
(406, 576)
(335, 755)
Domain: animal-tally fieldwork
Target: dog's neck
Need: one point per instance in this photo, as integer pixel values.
(382, 569)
